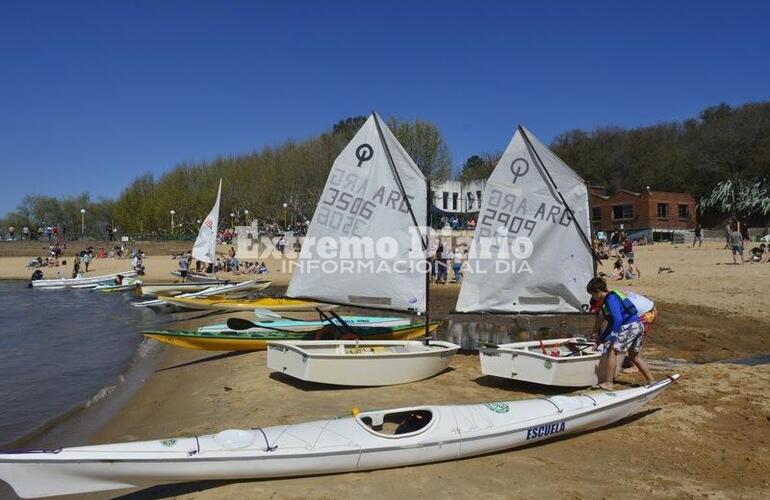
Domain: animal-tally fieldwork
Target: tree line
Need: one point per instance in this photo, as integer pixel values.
(697, 156)
(277, 184)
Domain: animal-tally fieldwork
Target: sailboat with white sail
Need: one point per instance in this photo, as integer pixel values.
(531, 253)
(364, 248)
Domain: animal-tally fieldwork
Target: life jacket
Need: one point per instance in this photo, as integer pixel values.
(629, 309)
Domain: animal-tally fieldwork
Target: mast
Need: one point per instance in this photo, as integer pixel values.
(423, 240)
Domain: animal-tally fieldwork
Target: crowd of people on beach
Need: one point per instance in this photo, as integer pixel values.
(619, 247)
(228, 263)
(442, 258)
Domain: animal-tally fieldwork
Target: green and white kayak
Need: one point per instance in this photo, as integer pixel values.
(295, 325)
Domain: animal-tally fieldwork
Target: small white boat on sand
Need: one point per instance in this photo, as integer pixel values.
(360, 363)
(568, 362)
(365, 441)
(84, 282)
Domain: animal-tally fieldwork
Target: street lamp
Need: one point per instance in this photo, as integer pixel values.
(285, 206)
(82, 222)
(246, 217)
(232, 219)
(172, 212)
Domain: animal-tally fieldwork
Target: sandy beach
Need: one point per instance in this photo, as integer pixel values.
(706, 437)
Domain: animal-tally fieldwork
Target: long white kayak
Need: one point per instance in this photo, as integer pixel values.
(158, 305)
(155, 289)
(568, 362)
(360, 362)
(365, 441)
(296, 325)
(85, 282)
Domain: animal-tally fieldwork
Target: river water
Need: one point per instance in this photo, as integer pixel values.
(63, 352)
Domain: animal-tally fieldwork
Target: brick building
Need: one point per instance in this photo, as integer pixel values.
(653, 213)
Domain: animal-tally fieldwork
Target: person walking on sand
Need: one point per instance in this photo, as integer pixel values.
(624, 330)
(736, 243)
(184, 267)
(698, 236)
(86, 260)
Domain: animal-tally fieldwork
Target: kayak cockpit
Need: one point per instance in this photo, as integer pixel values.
(399, 423)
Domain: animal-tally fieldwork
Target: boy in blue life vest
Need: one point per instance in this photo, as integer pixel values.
(624, 330)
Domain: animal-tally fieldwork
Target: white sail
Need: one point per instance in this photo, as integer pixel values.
(362, 247)
(205, 247)
(528, 254)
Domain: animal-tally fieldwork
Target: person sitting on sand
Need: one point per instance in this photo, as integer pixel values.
(627, 249)
(618, 271)
(757, 253)
(624, 330)
(632, 271)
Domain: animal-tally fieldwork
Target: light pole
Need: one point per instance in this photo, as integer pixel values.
(285, 206)
(82, 222)
(172, 212)
(232, 220)
(246, 217)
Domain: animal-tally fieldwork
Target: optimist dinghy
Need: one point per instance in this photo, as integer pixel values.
(364, 441)
(360, 362)
(559, 362)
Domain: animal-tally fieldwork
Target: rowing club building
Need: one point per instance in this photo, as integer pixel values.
(659, 215)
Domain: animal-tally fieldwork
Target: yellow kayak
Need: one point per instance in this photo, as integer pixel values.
(228, 304)
(233, 341)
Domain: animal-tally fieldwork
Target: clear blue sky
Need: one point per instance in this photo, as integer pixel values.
(94, 93)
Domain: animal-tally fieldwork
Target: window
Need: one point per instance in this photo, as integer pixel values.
(455, 196)
(478, 197)
(596, 214)
(622, 212)
(684, 211)
(446, 200)
(470, 201)
(663, 210)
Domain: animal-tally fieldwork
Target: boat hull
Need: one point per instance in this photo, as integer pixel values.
(211, 341)
(89, 282)
(525, 361)
(222, 304)
(305, 326)
(356, 443)
(360, 363)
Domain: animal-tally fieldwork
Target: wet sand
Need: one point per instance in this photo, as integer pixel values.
(707, 436)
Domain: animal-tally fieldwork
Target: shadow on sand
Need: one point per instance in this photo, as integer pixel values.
(314, 386)
(216, 357)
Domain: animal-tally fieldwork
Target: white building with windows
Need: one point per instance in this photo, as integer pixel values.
(457, 197)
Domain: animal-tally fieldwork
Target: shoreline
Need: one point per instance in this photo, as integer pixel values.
(708, 435)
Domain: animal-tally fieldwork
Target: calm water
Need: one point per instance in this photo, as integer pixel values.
(62, 351)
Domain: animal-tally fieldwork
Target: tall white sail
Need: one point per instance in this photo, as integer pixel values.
(528, 254)
(362, 247)
(205, 247)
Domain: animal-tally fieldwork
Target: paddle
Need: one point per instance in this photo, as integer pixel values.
(578, 351)
(238, 324)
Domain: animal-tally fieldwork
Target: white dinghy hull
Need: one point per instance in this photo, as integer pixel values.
(526, 362)
(360, 363)
(367, 441)
(86, 282)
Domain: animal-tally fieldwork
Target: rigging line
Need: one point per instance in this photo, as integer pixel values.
(393, 168)
(532, 150)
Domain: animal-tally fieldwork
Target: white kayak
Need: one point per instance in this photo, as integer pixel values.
(159, 305)
(155, 289)
(366, 441)
(360, 362)
(568, 362)
(84, 282)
